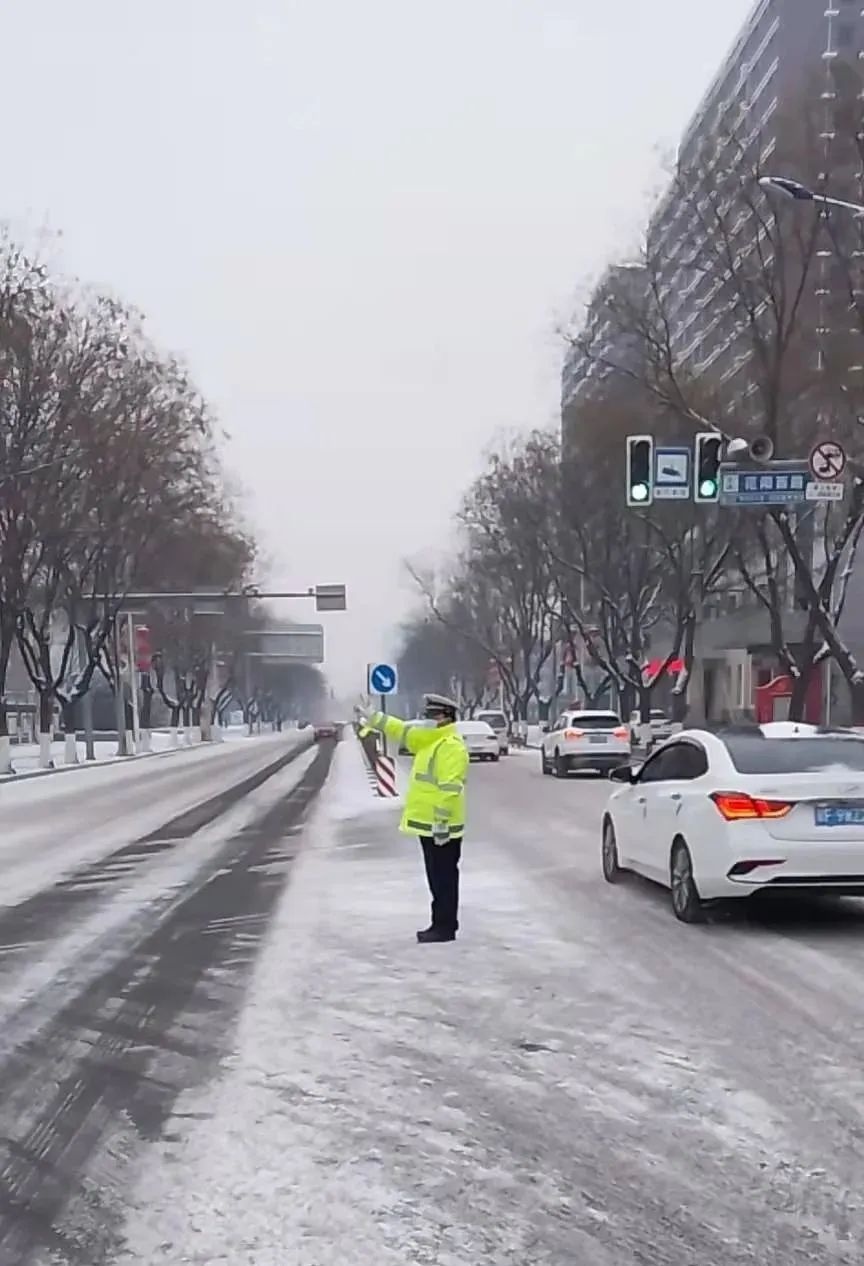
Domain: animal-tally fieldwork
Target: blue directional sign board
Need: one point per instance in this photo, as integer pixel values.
(672, 474)
(764, 486)
(383, 679)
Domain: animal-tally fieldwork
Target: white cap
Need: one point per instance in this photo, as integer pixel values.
(440, 703)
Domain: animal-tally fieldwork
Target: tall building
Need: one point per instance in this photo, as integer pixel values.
(787, 99)
(793, 63)
(774, 78)
(586, 376)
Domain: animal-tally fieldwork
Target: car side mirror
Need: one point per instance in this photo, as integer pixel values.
(624, 773)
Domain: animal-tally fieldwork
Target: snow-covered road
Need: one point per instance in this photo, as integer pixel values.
(578, 1080)
(134, 900)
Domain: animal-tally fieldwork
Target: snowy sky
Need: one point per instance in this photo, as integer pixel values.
(359, 221)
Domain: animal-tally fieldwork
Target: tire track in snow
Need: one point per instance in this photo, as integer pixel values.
(103, 1075)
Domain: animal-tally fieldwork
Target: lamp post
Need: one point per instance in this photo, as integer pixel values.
(797, 192)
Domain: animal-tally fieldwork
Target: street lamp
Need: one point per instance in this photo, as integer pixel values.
(800, 193)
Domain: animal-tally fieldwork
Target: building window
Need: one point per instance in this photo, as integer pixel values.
(845, 33)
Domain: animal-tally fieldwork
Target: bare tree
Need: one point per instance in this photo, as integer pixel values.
(497, 594)
(136, 456)
(434, 657)
(629, 583)
(206, 548)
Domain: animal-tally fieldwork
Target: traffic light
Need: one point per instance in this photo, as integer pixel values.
(708, 452)
(640, 470)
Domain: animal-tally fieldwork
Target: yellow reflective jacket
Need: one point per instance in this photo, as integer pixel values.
(436, 790)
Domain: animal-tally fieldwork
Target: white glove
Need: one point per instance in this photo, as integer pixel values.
(363, 710)
(441, 833)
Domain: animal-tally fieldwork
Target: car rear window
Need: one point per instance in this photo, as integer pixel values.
(497, 720)
(599, 721)
(794, 755)
(475, 727)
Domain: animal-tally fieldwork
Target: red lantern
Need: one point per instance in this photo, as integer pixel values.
(653, 667)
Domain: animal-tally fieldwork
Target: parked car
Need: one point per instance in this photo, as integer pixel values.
(584, 739)
(498, 722)
(480, 739)
(734, 814)
(662, 727)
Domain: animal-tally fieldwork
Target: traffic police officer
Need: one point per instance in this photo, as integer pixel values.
(434, 803)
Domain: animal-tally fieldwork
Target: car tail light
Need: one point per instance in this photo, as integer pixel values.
(737, 806)
(622, 732)
(574, 733)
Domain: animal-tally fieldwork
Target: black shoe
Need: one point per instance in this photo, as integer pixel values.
(431, 936)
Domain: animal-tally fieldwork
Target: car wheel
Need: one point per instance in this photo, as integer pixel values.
(545, 766)
(495, 758)
(560, 766)
(612, 869)
(687, 905)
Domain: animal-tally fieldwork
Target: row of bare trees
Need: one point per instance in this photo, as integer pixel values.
(550, 571)
(109, 481)
(742, 315)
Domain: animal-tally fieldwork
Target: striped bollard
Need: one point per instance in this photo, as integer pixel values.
(385, 772)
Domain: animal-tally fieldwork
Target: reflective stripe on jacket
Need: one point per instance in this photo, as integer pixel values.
(436, 790)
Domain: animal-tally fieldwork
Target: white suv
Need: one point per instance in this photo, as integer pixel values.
(585, 740)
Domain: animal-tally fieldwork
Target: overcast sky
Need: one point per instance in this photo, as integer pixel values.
(359, 221)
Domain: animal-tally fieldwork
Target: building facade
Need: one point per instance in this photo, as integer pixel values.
(766, 101)
(787, 99)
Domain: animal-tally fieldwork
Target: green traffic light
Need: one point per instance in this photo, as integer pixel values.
(639, 492)
(708, 488)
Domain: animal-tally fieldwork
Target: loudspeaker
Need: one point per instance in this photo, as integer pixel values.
(762, 448)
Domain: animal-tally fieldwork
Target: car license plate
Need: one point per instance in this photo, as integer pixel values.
(840, 815)
(596, 738)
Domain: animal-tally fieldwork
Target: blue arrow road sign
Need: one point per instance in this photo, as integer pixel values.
(383, 679)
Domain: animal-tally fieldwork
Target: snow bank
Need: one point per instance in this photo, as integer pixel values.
(349, 789)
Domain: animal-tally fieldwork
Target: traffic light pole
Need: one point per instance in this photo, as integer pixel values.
(681, 474)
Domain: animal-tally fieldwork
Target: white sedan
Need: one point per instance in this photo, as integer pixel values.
(480, 739)
(718, 816)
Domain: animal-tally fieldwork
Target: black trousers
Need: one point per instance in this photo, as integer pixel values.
(442, 872)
